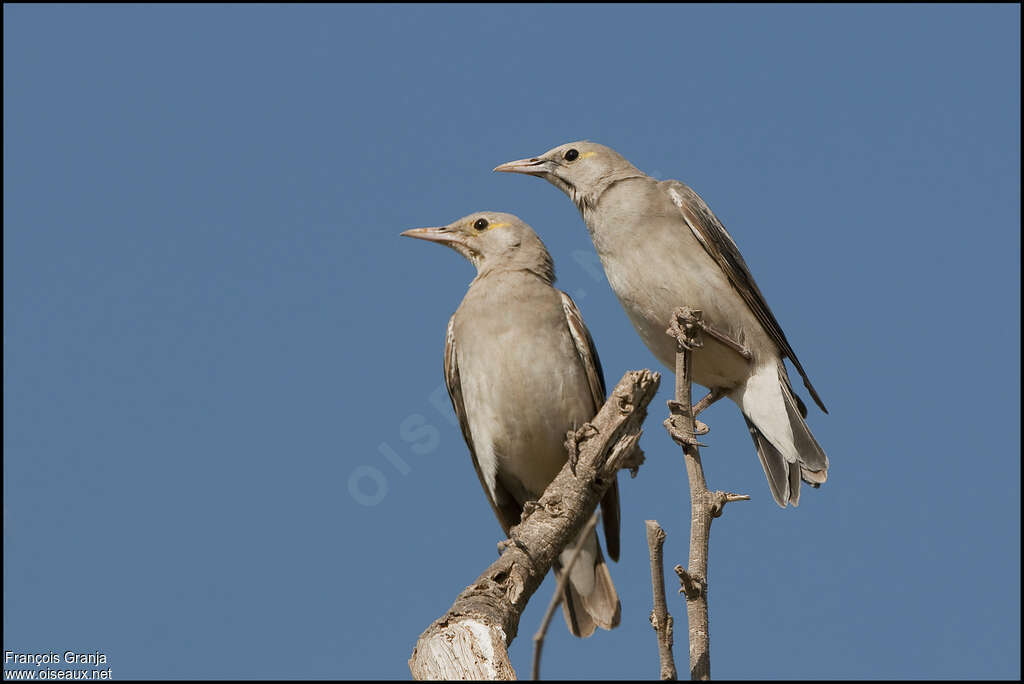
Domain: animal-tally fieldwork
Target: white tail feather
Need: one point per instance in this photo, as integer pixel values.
(762, 402)
(785, 445)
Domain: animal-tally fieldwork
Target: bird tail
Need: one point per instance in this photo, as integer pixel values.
(787, 449)
(590, 599)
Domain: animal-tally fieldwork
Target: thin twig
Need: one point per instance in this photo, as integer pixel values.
(661, 620)
(559, 595)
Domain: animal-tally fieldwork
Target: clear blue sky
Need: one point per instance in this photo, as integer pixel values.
(212, 330)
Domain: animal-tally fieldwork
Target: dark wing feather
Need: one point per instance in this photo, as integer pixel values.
(595, 377)
(507, 514)
(586, 350)
(710, 232)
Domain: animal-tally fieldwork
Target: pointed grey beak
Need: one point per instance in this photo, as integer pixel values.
(442, 235)
(531, 167)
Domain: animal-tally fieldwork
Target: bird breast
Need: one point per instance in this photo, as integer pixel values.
(523, 383)
(654, 264)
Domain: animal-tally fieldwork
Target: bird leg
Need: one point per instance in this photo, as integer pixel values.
(685, 327)
(709, 399)
(685, 324)
(700, 428)
(726, 340)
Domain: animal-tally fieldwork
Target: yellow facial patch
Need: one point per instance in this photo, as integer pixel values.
(490, 226)
(587, 154)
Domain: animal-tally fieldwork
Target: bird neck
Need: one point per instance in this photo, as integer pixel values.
(539, 265)
(586, 201)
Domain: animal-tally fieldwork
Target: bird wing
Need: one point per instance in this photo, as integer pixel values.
(713, 236)
(508, 514)
(595, 377)
(586, 350)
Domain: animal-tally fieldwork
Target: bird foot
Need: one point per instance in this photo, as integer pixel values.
(573, 439)
(681, 436)
(679, 429)
(686, 326)
(528, 508)
(676, 409)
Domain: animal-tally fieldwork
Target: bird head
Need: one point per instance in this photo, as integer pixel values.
(492, 241)
(579, 169)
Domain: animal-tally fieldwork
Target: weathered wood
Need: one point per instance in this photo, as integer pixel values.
(471, 640)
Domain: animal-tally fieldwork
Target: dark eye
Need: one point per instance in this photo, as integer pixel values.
(571, 155)
(481, 224)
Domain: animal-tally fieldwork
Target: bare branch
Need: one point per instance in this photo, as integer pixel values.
(660, 618)
(686, 327)
(471, 640)
(558, 596)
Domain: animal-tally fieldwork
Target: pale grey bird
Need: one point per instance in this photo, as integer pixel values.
(522, 371)
(662, 248)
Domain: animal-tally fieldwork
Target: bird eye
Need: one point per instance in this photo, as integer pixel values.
(571, 155)
(481, 224)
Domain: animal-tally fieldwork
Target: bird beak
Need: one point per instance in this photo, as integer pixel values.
(531, 167)
(444, 235)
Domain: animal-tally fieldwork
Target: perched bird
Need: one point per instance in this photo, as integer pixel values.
(662, 248)
(522, 371)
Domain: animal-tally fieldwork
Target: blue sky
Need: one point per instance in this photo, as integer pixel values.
(227, 447)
